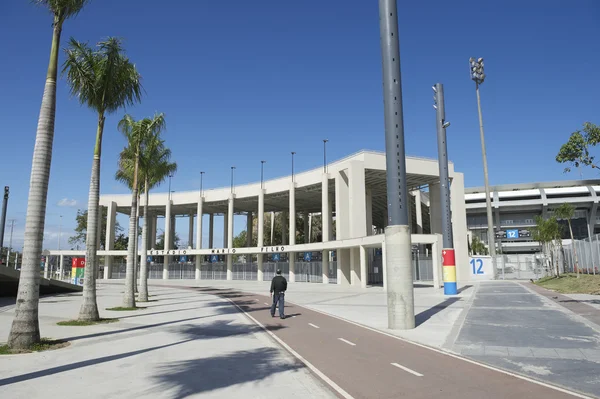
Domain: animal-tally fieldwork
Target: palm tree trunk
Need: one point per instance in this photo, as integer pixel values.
(129, 295)
(89, 308)
(135, 258)
(25, 329)
(143, 296)
(574, 248)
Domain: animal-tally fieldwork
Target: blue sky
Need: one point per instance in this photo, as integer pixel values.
(242, 81)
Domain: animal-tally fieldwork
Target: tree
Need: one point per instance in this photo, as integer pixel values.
(81, 228)
(142, 136)
(576, 151)
(547, 232)
(478, 247)
(25, 329)
(105, 80)
(566, 211)
(160, 244)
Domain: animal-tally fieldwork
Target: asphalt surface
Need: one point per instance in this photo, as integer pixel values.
(368, 364)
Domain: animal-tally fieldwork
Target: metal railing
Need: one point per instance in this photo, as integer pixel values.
(527, 266)
(588, 254)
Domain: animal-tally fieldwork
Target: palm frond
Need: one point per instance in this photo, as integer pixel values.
(63, 9)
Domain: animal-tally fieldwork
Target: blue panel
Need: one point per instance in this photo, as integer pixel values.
(512, 234)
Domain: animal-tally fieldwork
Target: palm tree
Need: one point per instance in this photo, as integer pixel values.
(567, 211)
(25, 329)
(105, 80)
(140, 135)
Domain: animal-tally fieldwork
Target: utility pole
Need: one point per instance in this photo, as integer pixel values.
(449, 263)
(262, 173)
(398, 248)
(477, 75)
(12, 225)
(3, 218)
(325, 155)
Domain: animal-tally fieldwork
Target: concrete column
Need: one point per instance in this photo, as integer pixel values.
(152, 243)
(191, 231)
(292, 255)
(249, 230)
(410, 199)
(225, 229)
(436, 257)
(342, 226)
(272, 227)
(435, 209)
(167, 240)
(418, 212)
(47, 266)
(111, 217)
(383, 265)
(306, 218)
(459, 227)
(173, 230)
(61, 266)
(325, 208)
(369, 206)
(199, 236)
(261, 233)
(284, 228)
(363, 267)
(230, 211)
(356, 216)
(325, 267)
(98, 240)
(211, 230)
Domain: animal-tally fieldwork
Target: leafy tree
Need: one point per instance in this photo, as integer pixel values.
(576, 151)
(81, 228)
(25, 329)
(105, 80)
(548, 233)
(160, 244)
(566, 211)
(477, 247)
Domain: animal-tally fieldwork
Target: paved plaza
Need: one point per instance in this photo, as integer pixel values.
(182, 345)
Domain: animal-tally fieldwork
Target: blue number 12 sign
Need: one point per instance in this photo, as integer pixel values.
(477, 265)
(512, 233)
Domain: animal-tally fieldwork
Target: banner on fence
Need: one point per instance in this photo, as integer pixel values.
(481, 268)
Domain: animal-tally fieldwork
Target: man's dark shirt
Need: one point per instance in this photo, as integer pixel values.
(278, 284)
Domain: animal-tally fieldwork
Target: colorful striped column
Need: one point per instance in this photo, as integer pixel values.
(449, 271)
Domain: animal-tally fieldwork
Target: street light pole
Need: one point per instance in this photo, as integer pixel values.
(478, 76)
(398, 248)
(293, 153)
(448, 258)
(325, 155)
(262, 170)
(201, 188)
(232, 169)
(170, 176)
(3, 217)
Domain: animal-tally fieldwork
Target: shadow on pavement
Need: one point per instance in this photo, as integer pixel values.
(466, 287)
(190, 377)
(427, 314)
(85, 363)
(592, 301)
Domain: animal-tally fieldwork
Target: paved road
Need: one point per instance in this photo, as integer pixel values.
(368, 364)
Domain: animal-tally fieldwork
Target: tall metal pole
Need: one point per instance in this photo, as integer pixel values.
(170, 176)
(325, 155)
(201, 188)
(3, 219)
(293, 153)
(398, 267)
(12, 225)
(448, 258)
(488, 200)
(478, 76)
(232, 169)
(262, 173)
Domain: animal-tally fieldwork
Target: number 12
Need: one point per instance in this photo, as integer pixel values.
(477, 265)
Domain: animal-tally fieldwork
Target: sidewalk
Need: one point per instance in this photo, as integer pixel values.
(511, 326)
(180, 346)
(436, 315)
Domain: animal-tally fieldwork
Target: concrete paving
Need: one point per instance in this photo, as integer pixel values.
(511, 326)
(183, 345)
(436, 314)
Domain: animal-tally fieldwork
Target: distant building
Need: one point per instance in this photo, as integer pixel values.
(515, 207)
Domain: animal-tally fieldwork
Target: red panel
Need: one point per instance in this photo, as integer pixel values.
(78, 262)
(448, 257)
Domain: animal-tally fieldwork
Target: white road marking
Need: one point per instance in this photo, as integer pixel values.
(312, 325)
(266, 303)
(315, 370)
(346, 341)
(407, 369)
(449, 354)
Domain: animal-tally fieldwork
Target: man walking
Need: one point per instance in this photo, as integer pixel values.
(278, 287)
